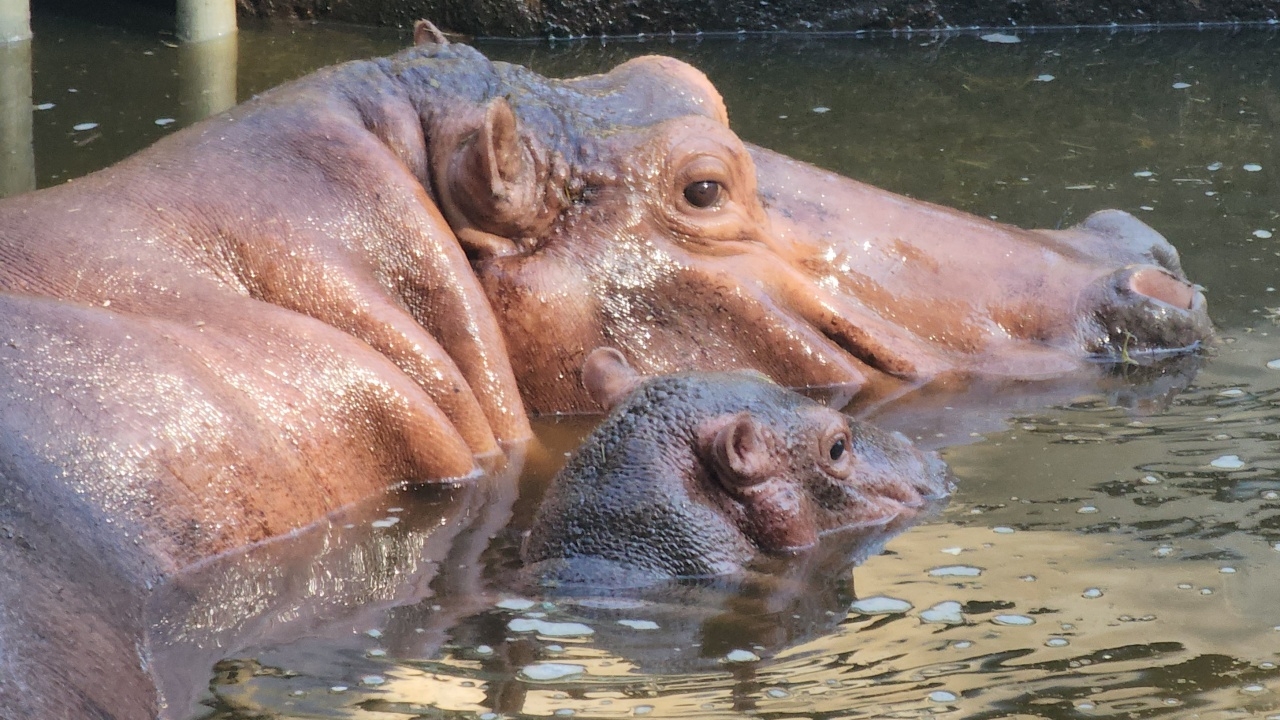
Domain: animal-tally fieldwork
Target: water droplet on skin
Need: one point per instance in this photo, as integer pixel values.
(741, 656)
(1091, 593)
(942, 696)
(880, 605)
(1251, 167)
(84, 126)
(1013, 620)
(1001, 38)
(1262, 234)
(551, 671)
(1181, 86)
(1227, 462)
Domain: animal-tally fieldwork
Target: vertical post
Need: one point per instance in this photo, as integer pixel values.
(15, 21)
(200, 20)
(17, 155)
(207, 77)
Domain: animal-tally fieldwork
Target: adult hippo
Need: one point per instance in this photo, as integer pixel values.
(368, 276)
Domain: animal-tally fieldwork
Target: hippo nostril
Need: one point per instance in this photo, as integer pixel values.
(1159, 285)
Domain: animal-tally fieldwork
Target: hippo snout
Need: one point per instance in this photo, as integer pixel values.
(1143, 310)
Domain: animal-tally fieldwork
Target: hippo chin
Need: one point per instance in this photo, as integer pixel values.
(371, 275)
(699, 474)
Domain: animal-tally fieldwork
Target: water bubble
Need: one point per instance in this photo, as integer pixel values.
(777, 693)
(1181, 86)
(1044, 78)
(84, 126)
(639, 624)
(822, 109)
(1232, 392)
(1015, 620)
(564, 712)
(1003, 530)
(942, 696)
(1227, 462)
(373, 633)
(372, 680)
(377, 652)
(1001, 38)
(45, 106)
(1254, 688)
(385, 522)
(1251, 167)
(1150, 480)
(551, 671)
(338, 689)
(1273, 365)
(642, 709)
(515, 604)
(956, 571)
(1262, 234)
(549, 629)
(880, 605)
(1213, 166)
(741, 656)
(1087, 510)
(489, 716)
(1091, 593)
(946, 613)
(484, 650)
(1227, 570)
(962, 644)
(1056, 642)
(1143, 174)
(165, 121)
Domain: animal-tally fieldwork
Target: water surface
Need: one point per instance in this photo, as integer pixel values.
(1112, 550)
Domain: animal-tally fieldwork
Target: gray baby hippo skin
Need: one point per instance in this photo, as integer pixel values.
(699, 474)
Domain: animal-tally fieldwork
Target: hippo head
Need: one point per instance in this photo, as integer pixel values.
(620, 209)
(699, 474)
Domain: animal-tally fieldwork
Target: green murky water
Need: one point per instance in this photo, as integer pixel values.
(1111, 552)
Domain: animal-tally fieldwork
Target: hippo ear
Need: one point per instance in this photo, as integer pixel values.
(740, 451)
(493, 180)
(607, 377)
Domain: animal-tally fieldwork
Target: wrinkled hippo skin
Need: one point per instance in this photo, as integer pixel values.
(696, 475)
(368, 276)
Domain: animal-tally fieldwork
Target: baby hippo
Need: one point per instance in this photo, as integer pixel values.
(697, 474)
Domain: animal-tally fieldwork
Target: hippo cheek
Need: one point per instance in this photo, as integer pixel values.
(778, 517)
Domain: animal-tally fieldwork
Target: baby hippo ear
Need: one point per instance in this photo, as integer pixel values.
(740, 450)
(493, 180)
(607, 377)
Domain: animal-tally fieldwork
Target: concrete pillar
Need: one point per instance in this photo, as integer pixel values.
(17, 155)
(15, 21)
(207, 77)
(200, 20)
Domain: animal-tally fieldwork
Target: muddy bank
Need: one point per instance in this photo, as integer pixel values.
(524, 18)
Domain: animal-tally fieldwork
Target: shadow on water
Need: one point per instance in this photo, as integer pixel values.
(1112, 549)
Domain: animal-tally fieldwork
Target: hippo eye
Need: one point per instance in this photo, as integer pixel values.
(837, 450)
(703, 193)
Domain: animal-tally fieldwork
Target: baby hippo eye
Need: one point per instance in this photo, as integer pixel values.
(703, 193)
(837, 449)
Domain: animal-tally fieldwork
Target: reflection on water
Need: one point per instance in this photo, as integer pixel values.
(1112, 550)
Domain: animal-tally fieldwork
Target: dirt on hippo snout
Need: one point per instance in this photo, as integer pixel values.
(700, 475)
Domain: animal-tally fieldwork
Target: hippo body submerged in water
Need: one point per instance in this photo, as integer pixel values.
(371, 275)
(697, 475)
